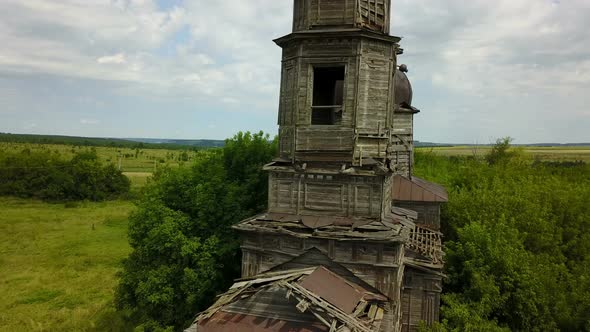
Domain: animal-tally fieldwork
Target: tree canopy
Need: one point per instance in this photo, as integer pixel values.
(517, 238)
(184, 250)
(47, 175)
(517, 242)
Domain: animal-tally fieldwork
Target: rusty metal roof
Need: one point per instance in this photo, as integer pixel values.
(229, 322)
(416, 189)
(338, 291)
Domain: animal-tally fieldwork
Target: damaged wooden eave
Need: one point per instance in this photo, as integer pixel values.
(271, 276)
(323, 310)
(259, 282)
(330, 232)
(393, 221)
(276, 166)
(333, 235)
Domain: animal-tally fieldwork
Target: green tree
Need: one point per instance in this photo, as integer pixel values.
(501, 151)
(184, 250)
(47, 175)
(517, 242)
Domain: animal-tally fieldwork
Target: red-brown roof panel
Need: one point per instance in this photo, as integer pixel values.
(229, 322)
(417, 190)
(337, 291)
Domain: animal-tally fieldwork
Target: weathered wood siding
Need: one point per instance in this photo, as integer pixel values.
(380, 265)
(367, 125)
(375, 80)
(297, 136)
(420, 299)
(318, 53)
(402, 142)
(428, 213)
(375, 263)
(374, 116)
(325, 138)
(331, 195)
(319, 14)
(387, 191)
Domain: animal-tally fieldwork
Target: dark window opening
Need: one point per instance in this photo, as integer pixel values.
(328, 95)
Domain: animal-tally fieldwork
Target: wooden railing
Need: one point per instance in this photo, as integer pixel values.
(427, 243)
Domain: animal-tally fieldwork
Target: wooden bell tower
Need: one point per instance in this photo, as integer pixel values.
(337, 99)
(345, 131)
(337, 111)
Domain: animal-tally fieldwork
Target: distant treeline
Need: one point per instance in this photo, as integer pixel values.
(446, 145)
(47, 175)
(109, 142)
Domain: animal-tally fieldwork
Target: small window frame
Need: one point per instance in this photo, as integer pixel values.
(337, 110)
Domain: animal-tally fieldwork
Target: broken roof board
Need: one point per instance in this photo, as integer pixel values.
(266, 306)
(315, 257)
(342, 229)
(337, 291)
(416, 189)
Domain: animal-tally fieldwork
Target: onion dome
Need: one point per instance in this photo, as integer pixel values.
(403, 88)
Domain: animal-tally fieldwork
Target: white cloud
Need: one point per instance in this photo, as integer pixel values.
(112, 59)
(509, 60)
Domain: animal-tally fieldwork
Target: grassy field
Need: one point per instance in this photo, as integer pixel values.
(58, 264)
(566, 153)
(136, 163)
(131, 160)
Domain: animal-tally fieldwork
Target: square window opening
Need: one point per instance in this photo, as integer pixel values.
(328, 95)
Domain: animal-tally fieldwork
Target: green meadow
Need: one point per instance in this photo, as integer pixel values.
(130, 160)
(58, 264)
(542, 153)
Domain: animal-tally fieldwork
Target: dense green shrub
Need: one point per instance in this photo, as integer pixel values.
(517, 238)
(184, 250)
(517, 242)
(46, 175)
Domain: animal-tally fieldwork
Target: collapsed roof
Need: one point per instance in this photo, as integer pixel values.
(390, 229)
(311, 299)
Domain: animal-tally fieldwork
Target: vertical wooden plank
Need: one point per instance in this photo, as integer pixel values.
(319, 13)
(349, 206)
(296, 15)
(344, 11)
(380, 253)
(299, 194)
(331, 253)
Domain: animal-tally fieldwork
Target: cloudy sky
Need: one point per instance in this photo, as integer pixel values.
(481, 69)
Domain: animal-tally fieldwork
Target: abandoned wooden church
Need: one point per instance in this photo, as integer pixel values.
(351, 240)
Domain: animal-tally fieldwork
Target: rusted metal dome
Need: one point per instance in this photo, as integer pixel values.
(403, 88)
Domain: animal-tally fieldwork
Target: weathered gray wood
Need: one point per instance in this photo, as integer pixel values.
(318, 14)
(330, 192)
